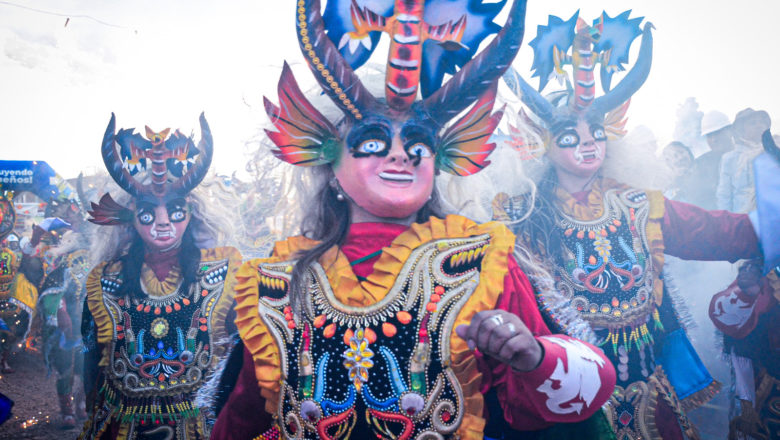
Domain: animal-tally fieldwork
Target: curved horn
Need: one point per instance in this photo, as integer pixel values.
(470, 82)
(197, 171)
(530, 97)
(633, 79)
(114, 163)
(332, 71)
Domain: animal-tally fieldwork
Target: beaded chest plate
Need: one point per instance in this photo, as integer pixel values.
(162, 347)
(606, 267)
(379, 371)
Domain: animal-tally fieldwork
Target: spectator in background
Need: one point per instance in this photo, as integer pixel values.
(736, 191)
(716, 128)
(679, 158)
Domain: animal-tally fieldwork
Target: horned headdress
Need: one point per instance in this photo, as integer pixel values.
(427, 39)
(574, 42)
(174, 165)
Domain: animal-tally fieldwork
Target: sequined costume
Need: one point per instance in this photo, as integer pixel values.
(156, 352)
(18, 298)
(11, 309)
(613, 243)
(375, 353)
(156, 318)
(607, 242)
(60, 306)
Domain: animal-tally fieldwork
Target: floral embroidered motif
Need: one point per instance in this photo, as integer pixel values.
(159, 328)
(154, 364)
(357, 359)
(394, 379)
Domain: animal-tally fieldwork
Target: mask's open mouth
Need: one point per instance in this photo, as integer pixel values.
(396, 177)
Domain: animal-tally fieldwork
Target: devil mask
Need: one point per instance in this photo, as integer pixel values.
(415, 65)
(573, 121)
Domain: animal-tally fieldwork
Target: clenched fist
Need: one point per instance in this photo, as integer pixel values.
(502, 336)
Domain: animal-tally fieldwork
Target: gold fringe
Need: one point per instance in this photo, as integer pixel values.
(701, 397)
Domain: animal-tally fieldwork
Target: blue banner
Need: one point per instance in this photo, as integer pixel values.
(35, 176)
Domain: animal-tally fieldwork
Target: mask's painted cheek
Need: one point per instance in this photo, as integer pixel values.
(578, 155)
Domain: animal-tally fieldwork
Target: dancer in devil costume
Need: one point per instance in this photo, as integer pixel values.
(387, 319)
(156, 308)
(607, 240)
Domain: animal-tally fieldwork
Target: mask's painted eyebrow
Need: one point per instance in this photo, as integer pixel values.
(559, 126)
(176, 204)
(144, 206)
(376, 127)
(416, 131)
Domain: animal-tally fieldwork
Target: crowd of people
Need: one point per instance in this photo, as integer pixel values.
(184, 308)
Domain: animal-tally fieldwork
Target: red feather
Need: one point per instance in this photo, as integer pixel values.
(304, 137)
(108, 212)
(465, 148)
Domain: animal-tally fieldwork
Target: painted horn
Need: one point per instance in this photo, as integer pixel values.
(471, 81)
(332, 71)
(114, 163)
(632, 81)
(530, 97)
(198, 170)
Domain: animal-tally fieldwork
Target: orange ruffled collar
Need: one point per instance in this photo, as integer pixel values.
(591, 206)
(353, 292)
(346, 285)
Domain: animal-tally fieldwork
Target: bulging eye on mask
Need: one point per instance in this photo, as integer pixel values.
(162, 226)
(571, 136)
(376, 139)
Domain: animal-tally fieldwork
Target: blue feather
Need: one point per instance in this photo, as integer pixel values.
(436, 60)
(127, 136)
(557, 33)
(618, 34)
(338, 22)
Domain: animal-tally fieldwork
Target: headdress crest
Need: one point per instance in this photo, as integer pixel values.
(574, 42)
(175, 165)
(306, 137)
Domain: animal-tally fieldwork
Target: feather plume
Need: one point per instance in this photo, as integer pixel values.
(465, 145)
(304, 137)
(108, 212)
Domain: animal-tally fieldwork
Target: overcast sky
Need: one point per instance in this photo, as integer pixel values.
(163, 62)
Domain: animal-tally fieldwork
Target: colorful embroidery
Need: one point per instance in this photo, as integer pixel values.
(382, 370)
(632, 408)
(606, 268)
(158, 355)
